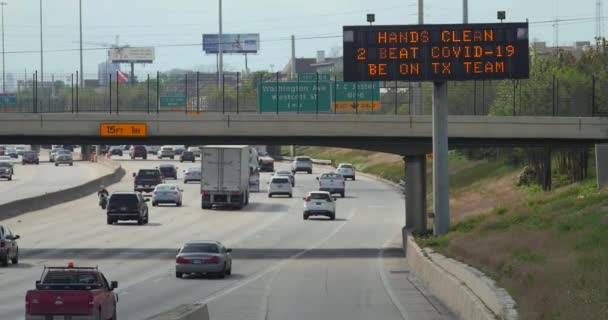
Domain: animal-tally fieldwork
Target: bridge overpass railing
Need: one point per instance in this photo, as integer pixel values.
(199, 93)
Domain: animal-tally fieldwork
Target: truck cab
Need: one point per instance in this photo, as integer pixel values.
(71, 293)
(332, 183)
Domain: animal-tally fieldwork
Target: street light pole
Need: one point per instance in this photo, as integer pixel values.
(81, 71)
(220, 49)
(41, 48)
(2, 4)
(465, 11)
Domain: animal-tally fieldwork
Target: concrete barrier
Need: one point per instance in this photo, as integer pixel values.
(468, 292)
(185, 312)
(22, 206)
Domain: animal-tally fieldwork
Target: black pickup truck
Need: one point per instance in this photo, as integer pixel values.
(146, 180)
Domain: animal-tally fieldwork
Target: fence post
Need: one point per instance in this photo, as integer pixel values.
(335, 93)
(34, 98)
(157, 92)
(474, 97)
(396, 96)
(198, 97)
(72, 93)
(260, 80)
(409, 98)
(593, 106)
(514, 88)
(148, 95)
(553, 93)
(110, 90)
(77, 91)
(298, 88)
(317, 95)
(186, 89)
(277, 79)
(356, 97)
(556, 97)
(117, 94)
(238, 81)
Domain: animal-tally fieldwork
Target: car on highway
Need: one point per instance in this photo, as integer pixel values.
(68, 147)
(64, 158)
(319, 203)
(179, 149)
(30, 157)
(2, 150)
(72, 293)
(203, 257)
(280, 186)
(332, 183)
(6, 158)
(6, 170)
(195, 150)
(116, 151)
(266, 163)
(301, 164)
(152, 149)
(53, 154)
(166, 152)
(12, 153)
(192, 174)
(146, 180)
(286, 173)
(9, 249)
(138, 152)
(346, 170)
(167, 193)
(187, 156)
(168, 170)
(127, 206)
(20, 150)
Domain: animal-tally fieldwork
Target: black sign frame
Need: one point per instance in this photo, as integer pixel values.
(417, 52)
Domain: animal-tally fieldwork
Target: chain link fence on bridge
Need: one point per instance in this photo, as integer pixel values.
(200, 93)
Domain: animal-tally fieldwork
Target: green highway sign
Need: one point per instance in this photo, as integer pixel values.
(173, 100)
(363, 96)
(8, 100)
(295, 97)
(313, 76)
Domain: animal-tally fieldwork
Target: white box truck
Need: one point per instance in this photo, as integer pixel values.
(225, 176)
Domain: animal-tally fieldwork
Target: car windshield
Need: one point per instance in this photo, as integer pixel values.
(120, 199)
(5, 165)
(345, 166)
(303, 160)
(201, 248)
(5, 158)
(280, 180)
(63, 152)
(148, 173)
(194, 170)
(319, 196)
(188, 153)
(330, 176)
(29, 154)
(11, 150)
(283, 173)
(167, 149)
(71, 278)
(165, 187)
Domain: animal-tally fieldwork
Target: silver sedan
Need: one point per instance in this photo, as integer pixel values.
(167, 193)
(192, 174)
(203, 257)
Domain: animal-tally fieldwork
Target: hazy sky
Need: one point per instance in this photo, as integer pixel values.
(175, 27)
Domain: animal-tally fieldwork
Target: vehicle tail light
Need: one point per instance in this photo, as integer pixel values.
(91, 300)
(213, 260)
(182, 260)
(204, 193)
(236, 193)
(2, 244)
(307, 199)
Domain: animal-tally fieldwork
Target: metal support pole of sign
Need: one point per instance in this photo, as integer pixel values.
(298, 85)
(198, 93)
(110, 90)
(148, 95)
(410, 98)
(260, 80)
(356, 97)
(514, 92)
(483, 97)
(317, 95)
(335, 93)
(117, 95)
(72, 92)
(238, 79)
(396, 96)
(474, 97)
(441, 191)
(372, 86)
(186, 89)
(223, 93)
(553, 94)
(278, 96)
(77, 91)
(34, 84)
(157, 92)
(593, 96)
(556, 97)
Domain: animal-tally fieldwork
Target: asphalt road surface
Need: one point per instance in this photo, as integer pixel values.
(283, 268)
(33, 180)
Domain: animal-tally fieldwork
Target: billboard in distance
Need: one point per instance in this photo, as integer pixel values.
(232, 43)
(132, 55)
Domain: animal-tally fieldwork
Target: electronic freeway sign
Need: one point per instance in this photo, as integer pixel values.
(440, 52)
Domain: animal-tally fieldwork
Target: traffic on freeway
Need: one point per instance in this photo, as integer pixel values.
(306, 255)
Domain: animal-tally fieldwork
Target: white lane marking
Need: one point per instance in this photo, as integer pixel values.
(386, 284)
(275, 267)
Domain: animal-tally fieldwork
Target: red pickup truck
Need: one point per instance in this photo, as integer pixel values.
(74, 293)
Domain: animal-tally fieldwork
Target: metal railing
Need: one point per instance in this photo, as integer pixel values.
(199, 93)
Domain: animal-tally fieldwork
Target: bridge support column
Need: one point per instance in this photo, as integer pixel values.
(292, 151)
(415, 193)
(601, 165)
(85, 151)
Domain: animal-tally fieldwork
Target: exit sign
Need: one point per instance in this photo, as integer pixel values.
(438, 52)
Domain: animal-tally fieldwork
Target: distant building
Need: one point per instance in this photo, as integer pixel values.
(577, 50)
(320, 64)
(104, 70)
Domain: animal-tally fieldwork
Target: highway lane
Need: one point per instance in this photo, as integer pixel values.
(34, 180)
(284, 267)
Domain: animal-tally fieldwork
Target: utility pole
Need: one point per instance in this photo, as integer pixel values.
(220, 50)
(293, 57)
(417, 87)
(465, 11)
(41, 48)
(2, 4)
(81, 71)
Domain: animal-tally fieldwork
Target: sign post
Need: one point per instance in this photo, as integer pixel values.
(437, 53)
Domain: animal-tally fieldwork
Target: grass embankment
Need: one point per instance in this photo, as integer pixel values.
(549, 251)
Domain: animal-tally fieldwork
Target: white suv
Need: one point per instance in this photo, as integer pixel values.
(301, 164)
(166, 152)
(319, 203)
(332, 183)
(280, 185)
(346, 170)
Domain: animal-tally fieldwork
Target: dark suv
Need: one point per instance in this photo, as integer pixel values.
(127, 206)
(146, 180)
(138, 152)
(30, 157)
(187, 156)
(168, 171)
(9, 250)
